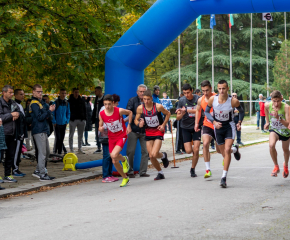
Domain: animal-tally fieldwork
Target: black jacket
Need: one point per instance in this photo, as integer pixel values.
(5, 114)
(132, 105)
(21, 124)
(97, 107)
(78, 109)
(89, 125)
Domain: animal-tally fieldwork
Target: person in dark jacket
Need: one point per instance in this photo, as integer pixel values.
(29, 140)
(9, 113)
(99, 103)
(89, 125)
(2, 147)
(78, 117)
(40, 131)
(137, 134)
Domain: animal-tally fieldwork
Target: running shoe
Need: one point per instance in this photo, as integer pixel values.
(2, 188)
(114, 178)
(165, 160)
(9, 179)
(192, 172)
(45, 177)
(285, 171)
(125, 165)
(36, 174)
(17, 173)
(125, 182)
(107, 180)
(237, 154)
(207, 174)
(275, 171)
(1, 180)
(223, 183)
(160, 176)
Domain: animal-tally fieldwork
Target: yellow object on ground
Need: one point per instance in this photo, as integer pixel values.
(69, 162)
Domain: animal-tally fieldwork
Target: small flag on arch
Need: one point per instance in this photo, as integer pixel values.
(231, 21)
(212, 21)
(198, 22)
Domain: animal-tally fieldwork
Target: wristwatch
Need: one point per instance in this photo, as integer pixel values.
(280, 118)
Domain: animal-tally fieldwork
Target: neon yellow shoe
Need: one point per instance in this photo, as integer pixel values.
(125, 182)
(125, 165)
(207, 174)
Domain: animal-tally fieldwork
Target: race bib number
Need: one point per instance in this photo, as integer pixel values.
(222, 115)
(115, 126)
(191, 114)
(276, 124)
(152, 121)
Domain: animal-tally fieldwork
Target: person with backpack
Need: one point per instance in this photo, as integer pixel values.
(61, 117)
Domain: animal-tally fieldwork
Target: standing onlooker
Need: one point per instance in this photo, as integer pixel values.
(99, 103)
(49, 120)
(2, 147)
(257, 107)
(61, 117)
(155, 95)
(78, 115)
(89, 124)
(29, 140)
(179, 146)
(137, 134)
(236, 120)
(40, 131)
(167, 104)
(197, 92)
(9, 113)
(263, 114)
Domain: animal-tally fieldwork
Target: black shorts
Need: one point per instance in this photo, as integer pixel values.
(190, 135)
(281, 138)
(225, 132)
(208, 131)
(153, 138)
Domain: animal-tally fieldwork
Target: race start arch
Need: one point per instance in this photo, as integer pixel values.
(156, 29)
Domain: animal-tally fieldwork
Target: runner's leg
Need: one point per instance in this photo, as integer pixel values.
(227, 152)
(153, 148)
(206, 139)
(195, 157)
(285, 147)
(273, 138)
(116, 157)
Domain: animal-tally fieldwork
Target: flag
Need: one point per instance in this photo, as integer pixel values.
(231, 22)
(198, 23)
(212, 21)
(267, 17)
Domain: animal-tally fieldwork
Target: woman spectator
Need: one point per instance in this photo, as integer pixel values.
(89, 125)
(262, 113)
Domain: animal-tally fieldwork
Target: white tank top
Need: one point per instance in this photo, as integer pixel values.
(223, 112)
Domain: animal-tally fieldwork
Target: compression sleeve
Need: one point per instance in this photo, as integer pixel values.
(208, 115)
(241, 113)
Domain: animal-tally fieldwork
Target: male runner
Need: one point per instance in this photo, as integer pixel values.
(224, 126)
(149, 114)
(186, 111)
(277, 118)
(117, 134)
(208, 128)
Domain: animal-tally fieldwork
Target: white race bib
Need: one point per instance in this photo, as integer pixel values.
(152, 121)
(115, 126)
(191, 114)
(222, 115)
(276, 124)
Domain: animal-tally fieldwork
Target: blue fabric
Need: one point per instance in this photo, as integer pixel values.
(86, 135)
(258, 118)
(155, 98)
(212, 21)
(62, 115)
(167, 104)
(107, 162)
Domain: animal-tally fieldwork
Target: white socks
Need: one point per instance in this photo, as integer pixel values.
(160, 172)
(224, 173)
(207, 165)
(234, 149)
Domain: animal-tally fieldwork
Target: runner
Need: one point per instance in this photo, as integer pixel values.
(277, 118)
(154, 130)
(186, 113)
(224, 126)
(208, 128)
(117, 134)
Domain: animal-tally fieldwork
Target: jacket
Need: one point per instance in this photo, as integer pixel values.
(132, 105)
(167, 104)
(257, 105)
(5, 114)
(97, 107)
(155, 98)
(40, 116)
(61, 115)
(77, 108)
(89, 124)
(21, 124)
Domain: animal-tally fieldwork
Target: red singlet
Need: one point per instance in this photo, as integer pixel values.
(153, 119)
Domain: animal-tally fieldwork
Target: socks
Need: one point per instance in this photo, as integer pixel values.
(224, 173)
(207, 165)
(234, 149)
(161, 172)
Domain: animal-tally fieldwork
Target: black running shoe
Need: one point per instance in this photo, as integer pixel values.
(192, 172)
(2, 188)
(159, 177)
(165, 160)
(45, 177)
(223, 182)
(237, 154)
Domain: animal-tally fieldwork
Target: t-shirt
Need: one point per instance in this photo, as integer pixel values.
(188, 120)
(262, 109)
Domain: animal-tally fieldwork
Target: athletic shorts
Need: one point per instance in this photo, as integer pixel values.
(116, 142)
(281, 138)
(225, 132)
(190, 135)
(153, 138)
(208, 131)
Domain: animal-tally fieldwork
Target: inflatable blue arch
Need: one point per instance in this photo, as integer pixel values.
(155, 30)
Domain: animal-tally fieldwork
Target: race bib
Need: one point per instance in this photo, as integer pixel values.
(276, 124)
(222, 115)
(152, 121)
(191, 114)
(115, 126)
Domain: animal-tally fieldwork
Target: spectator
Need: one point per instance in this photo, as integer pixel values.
(167, 104)
(89, 125)
(263, 115)
(78, 115)
(197, 92)
(46, 106)
(9, 113)
(155, 95)
(236, 120)
(99, 103)
(61, 117)
(180, 96)
(22, 130)
(29, 140)
(257, 107)
(137, 134)
(2, 146)
(179, 146)
(40, 131)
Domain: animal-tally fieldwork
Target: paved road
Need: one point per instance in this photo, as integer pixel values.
(254, 206)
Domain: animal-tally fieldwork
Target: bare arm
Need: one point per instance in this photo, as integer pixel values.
(160, 108)
(286, 121)
(197, 115)
(101, 124)
(138, 115)
(267, 116)
(129, 113)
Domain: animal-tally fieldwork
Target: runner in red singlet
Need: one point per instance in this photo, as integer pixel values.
(117, 134)
(149, 114)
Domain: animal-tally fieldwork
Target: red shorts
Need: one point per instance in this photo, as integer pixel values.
(116, 142)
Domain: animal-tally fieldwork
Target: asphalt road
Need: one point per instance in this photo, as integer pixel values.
(254, 206)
